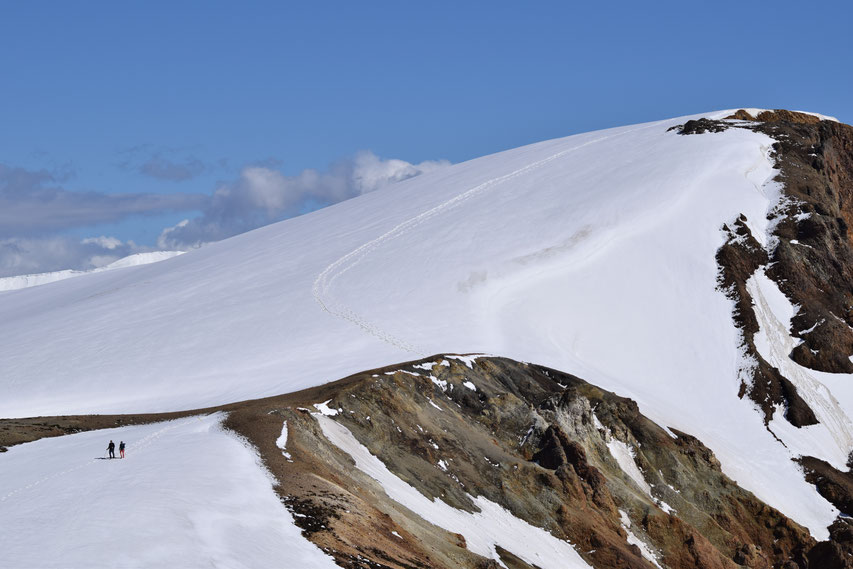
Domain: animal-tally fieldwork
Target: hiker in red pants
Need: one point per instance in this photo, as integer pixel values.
(121, 449)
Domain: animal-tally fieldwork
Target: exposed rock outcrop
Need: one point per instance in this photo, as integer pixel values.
(835, 486)
(550, 448)
(739, 257)
(811, 257)
(837, 552)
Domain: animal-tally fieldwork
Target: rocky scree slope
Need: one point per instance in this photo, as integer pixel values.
(551, 449)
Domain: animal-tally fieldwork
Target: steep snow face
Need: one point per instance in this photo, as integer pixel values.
(169, 503)
(594, 254)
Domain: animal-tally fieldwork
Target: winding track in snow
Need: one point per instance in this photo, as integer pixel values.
(325, 280)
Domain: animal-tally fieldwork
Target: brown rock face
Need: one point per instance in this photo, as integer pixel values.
(529, 438)
(739, 257)
(813, 261)
(835, 486)
(837, 553)
(781, 115)
(741, 115)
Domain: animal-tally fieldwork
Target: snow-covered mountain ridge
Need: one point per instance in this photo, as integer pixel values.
(424, 261)
(680, 263)
(37, 279)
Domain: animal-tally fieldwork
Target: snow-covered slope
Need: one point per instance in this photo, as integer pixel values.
(26, 281)
(169, 503)
(593, 254)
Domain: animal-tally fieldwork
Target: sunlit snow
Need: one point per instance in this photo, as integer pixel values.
(189, 494)
(593, 254)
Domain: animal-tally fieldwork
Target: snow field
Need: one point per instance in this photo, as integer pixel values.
(189, 494)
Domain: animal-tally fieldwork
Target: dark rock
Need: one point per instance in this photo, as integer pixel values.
(816, 162)
(832, 484)
(738, 259)
(701, 126)
(798, 412)
(750, 555)
(837, 552)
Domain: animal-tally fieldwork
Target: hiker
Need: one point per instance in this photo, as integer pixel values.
(112, 448)
(121, 449)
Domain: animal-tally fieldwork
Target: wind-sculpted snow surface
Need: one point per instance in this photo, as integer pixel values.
(170, 503)
(326, 279)
(593, 254)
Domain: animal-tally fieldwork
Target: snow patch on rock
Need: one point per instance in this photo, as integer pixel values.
(325, 409)
(281, 442)
(645, 550)
(624, 456)
(483, 531)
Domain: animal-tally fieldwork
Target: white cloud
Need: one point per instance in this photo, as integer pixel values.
(263, 195)
(31, 204)
(102, 241)
(371, 172)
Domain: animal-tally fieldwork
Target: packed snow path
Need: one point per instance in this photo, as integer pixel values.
(188, 495)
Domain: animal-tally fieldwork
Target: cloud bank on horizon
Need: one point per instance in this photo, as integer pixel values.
(263, 195)
(35, 209)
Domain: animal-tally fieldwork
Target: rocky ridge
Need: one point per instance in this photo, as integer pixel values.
(555, 451)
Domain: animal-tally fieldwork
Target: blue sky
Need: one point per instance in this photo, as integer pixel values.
(134, 117)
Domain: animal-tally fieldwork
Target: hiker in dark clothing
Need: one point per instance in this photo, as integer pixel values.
(112, 448)
(121, 449)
